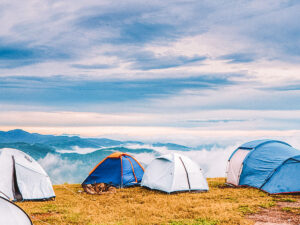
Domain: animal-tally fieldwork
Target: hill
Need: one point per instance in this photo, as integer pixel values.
(221, 205)
(70, 158)
(67, 142)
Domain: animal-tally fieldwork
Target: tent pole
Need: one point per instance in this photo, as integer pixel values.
(187, 175)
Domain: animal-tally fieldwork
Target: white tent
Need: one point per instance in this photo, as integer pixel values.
(172, 173)
(22, 178)
(11, 214)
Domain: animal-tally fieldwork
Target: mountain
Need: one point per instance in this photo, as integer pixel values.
(19, 135)
(70, 158)
(67, 142)
(37, 150)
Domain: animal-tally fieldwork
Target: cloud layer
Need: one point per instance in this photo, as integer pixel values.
(171, 65)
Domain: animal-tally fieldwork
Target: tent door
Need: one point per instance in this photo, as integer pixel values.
(235, 166)
(133, 172)
(16, 191)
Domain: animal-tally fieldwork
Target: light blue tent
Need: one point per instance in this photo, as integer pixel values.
(270, 165)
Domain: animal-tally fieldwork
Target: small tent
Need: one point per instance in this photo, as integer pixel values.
(118, 169)
(11, 214)
(270, 165)
(22, 178)
(174, 173)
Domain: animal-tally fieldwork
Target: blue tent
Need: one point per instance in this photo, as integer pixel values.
(118, 169)
(270, 165)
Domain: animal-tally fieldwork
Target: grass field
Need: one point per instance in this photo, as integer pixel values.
(221, 205)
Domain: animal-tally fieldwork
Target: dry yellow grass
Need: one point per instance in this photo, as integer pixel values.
(142, 206)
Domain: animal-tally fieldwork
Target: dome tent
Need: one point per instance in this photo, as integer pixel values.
(11, 214)
(22, 178)
(270, 165)
(174, 173)
(118, 169)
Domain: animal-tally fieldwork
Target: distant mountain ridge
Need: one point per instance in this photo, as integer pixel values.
(19, 135)
(70, 158)
(67, 142)
(60, 157)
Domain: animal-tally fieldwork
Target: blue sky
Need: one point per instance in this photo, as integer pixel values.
(131, 69)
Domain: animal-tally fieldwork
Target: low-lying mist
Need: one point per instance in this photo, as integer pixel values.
(67, 167)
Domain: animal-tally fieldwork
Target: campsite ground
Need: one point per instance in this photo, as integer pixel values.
(221, 205)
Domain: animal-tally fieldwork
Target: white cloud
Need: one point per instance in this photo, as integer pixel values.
(218, 29)
(200, 119)
(60, 170)
(213, 161)
(78, 150)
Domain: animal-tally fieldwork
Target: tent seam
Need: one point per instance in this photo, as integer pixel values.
(187, 175)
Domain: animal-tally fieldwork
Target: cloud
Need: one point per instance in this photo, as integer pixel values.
(93, 66)
(78, 150)
(209, 118)
(165, 58)
(134, 23)
(62, 170)
(213, 161)
(83, 33)
(276, 28)
(232, 97)
(20, 54)
(63, 90)
(148, 61)
(215, 121)
(290, 87)
(145, 32)
(239, 58)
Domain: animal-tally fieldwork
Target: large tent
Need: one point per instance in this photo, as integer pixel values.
(118, 169)
(174, 173)
(270, 165)
(11, 214)
(22, 178)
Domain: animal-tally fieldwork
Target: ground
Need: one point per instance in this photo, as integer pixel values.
(221, 205)
(285, 211)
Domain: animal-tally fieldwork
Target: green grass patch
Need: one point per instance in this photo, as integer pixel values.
(245, 209)
(266, 205)
(295, 210)
(286, 200)
(49, 208)
(195, 222)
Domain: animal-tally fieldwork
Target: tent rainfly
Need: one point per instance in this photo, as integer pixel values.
(174, 173)
(22, 178)
(11, 214)
(270, 165)
(118, 169)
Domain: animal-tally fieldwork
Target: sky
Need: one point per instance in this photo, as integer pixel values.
(187, 72)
